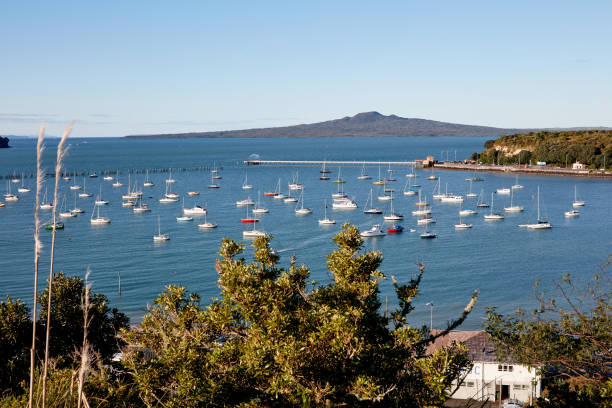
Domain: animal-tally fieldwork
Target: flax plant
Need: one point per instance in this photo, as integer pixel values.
(85, 348)
(37, 247)
(61, 151)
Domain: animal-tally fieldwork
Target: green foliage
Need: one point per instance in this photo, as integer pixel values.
(592, 147)
(569, 337)
(15, 332)
(67, 320)
(270, 341)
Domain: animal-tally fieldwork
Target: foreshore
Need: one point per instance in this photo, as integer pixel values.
(524, 169)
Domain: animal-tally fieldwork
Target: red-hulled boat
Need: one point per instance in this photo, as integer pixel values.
(395, 228)
(248, 220)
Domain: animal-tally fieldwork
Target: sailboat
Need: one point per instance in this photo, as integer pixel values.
(247, 219)
(370, 209)
(392, 216)
(12, 197)
(481, 203)
(294, 185)
(170, 180)
(540, 224)
(324, 170)
(440, 195)
(407, 190)
(411, 174)
(462, 225)
(148, 182)
(363, 175)
(340, 193)
(577, 203)
(84, 193)
(302, 210)
(141, 207)
(288, 198)
(258, 208)
(46, 205)
(339, 180)
(492, 216)
(390, 174)
(432, 176)
(183, 217)
(212, 180)
(107, 178)
(504, 190)
(516, 185)
(254, 233)
(513, 208)
(246, 201)
(98, 220)
(380, 180)
(275, 192)
(427, 234)
(168, 197)
(421, 203)
(65, 213)
(159, 237)
(15, 179)
(75, 186)
(76, 210)
(99, 200)
(470, 194)
(245, 183)
(325, 220)
(23, 189)
(117, 183)
(206, 224)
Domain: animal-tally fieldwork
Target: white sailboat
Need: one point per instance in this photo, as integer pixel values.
(540, 224)
(503, 191)
(288, 199)
(258, 208)
(462, 225)
(8, 197)
(577, 203)
(325, 220)
(159, 237)
(117, 183)
(392, 216)
(370, 209)
(246, 201)
(245, 183)
(212, 180)
(98, 220)
(141, 207)
(516, 185)
(76, 210)
(183, 217)
(513, 208)
(421, 203)
(492, 216)
(439, 196)
(107, 178)
(99, 200)
(427, 234)
(84, 193)
(206, 224)
(363, 175)
(470, 194)
(295, 185)
(168, 197)
(254, 233)
(407, 190)
(481, 203)
(64, 212)
(46, 205)
(23, 189)
(148, 182)
(170, 180)
(302, 210)
(75, 186)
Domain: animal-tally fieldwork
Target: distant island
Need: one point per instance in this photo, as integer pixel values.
(4, 142)
(367, 124)
(580, 148)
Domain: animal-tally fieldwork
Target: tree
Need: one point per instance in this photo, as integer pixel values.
(67, 320)
(14, 332)
(569, 337)
(275, 339)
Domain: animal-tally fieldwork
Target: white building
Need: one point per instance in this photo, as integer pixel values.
(578, 166)
(489, 378)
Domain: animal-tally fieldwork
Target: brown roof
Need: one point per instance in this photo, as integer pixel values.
(480, 347)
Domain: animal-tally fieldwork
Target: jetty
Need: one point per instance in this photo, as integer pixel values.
(326, 162)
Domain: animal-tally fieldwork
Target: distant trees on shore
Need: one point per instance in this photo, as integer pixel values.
(592, 147)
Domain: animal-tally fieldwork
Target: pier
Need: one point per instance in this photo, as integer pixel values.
(109, 172)
(326, 162)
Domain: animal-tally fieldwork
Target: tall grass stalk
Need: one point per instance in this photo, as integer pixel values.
(37, 247)
(61, 151)
(85, 347)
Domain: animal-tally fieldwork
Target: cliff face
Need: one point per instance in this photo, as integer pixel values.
(366, 124)
(4, 142)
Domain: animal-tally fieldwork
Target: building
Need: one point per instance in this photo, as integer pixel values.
(490, 378)
(578, 166)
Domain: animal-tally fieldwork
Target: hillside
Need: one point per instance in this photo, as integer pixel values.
(368, 124)
(592, 147)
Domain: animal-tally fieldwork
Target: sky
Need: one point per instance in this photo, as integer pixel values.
(140, 67)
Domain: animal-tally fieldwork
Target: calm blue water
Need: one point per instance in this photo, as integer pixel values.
(500, 259)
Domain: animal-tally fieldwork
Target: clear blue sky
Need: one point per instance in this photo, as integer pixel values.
(132, 67)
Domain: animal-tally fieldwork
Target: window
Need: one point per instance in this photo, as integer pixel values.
(505, 367)
(520, 386)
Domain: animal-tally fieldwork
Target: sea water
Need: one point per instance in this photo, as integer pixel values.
(499, 259)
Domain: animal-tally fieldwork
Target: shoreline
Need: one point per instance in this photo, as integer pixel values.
(538, 170)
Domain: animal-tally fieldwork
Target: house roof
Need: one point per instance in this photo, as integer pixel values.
(480, 347)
